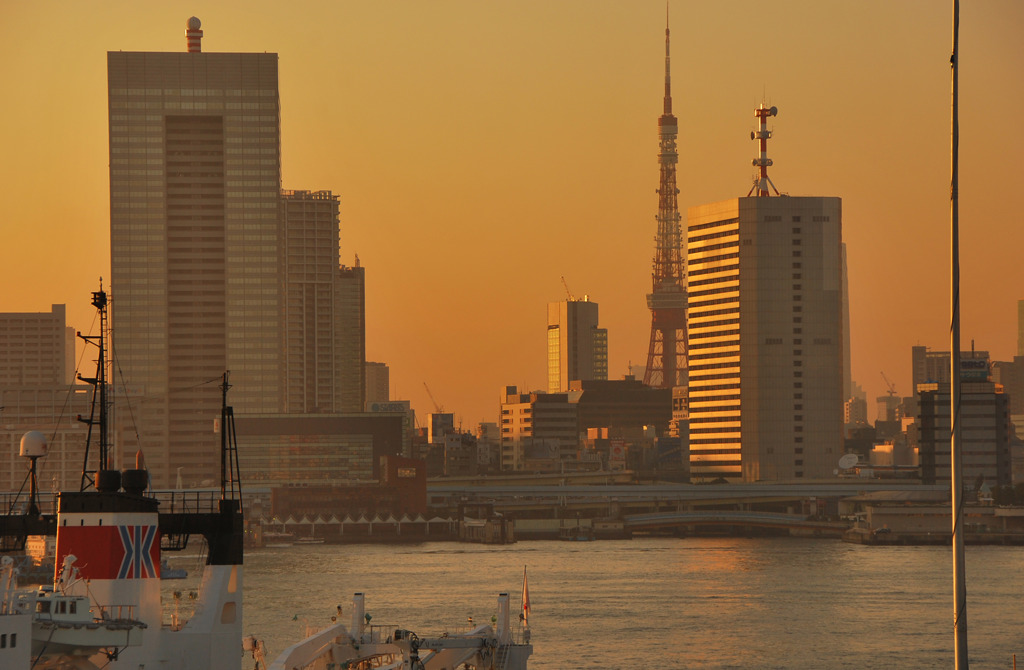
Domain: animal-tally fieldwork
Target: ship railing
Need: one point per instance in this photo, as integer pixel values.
(517, 634)
(177, 502)
(115, 612)
(16, 504)
(379, 634)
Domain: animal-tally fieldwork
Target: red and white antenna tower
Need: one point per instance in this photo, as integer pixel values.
(666, 357)
(194, 35)
(761, 181)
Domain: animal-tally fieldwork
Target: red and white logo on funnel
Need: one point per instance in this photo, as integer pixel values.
(111, 552)
(138, 552)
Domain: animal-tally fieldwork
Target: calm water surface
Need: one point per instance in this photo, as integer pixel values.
(663, 603)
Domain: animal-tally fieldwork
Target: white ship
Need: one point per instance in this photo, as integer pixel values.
(15, 622)
(361, 645)
(104, 609)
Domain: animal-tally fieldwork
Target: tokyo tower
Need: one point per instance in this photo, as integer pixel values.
(666, 358)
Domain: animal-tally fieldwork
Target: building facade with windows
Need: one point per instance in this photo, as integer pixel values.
(538, 422)
(378, 382)
(765, 338)
(577, 346)
(985, 433)
(324, 307)
(213, 267)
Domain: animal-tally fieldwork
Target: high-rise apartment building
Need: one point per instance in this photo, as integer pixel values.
(847, 348)
(577, 347)
(214, 268)
(36, 349)
(350, 338)
(324, 310)
(37, 392)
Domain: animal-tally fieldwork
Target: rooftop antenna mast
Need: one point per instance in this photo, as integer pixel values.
(762, 162)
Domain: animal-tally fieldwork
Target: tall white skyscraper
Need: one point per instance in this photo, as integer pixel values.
(324, 310)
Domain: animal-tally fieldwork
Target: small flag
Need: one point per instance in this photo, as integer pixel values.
(526, 600)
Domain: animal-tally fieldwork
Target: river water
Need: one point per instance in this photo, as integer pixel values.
(662, 602)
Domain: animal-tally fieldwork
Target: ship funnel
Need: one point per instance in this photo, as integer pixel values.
(358, 610)
(504, 629)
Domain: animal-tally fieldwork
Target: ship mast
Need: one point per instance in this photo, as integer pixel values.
(666, 356)
(99, 394)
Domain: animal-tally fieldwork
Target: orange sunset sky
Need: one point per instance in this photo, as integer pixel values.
(482, 150)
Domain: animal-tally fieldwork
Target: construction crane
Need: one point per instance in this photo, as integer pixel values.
(892, 387)
(437, 408)
(567, 291)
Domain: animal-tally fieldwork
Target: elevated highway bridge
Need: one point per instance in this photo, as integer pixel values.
(439, 492)
(660, 520)
(620, 500)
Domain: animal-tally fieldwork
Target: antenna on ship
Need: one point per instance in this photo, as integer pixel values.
(33, 447)
(104, 479)
(230, 483)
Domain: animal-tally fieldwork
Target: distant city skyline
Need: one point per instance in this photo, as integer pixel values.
(481, 152)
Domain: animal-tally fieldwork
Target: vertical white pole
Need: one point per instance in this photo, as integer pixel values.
(956, 457)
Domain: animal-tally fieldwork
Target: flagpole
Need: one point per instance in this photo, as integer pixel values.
(525, 616)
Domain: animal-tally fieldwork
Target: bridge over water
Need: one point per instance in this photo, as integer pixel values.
(656, 520)
(640, 496)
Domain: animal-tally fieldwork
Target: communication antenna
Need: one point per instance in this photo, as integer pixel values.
(33, 447)
(102, 479)
(762, 162)
(848, 461)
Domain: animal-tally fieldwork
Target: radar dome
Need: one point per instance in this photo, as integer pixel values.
(194, 23)
(848, 461)
(33, 444)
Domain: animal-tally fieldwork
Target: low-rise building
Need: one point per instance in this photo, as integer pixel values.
(985, 436)
(537, 419)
